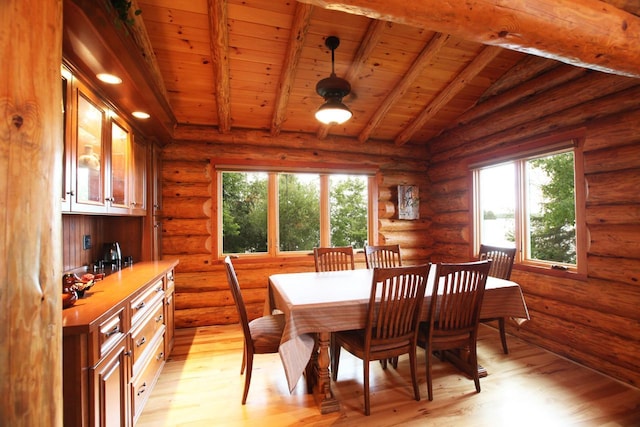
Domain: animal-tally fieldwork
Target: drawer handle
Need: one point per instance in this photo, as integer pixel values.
(113, 331)
(160, 356)
(159, 289)
(141, 305)
(142, 388)
(141, 342)
(159, 319)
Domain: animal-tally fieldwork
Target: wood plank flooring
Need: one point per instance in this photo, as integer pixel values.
(201, 385)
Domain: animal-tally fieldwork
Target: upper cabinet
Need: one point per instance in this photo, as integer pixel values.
(104, 169)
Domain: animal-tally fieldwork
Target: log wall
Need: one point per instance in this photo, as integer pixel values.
(594, 321)
(202, 292)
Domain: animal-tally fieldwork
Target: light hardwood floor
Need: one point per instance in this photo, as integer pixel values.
(201, 385)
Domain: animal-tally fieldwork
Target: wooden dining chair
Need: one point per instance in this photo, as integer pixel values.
(391, 329)
(454, 314)
(501, 268)
(261, 335)
(334, 258)
(383, 256)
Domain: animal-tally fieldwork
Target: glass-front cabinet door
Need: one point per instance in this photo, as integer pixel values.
(89, 185)
(118, 200)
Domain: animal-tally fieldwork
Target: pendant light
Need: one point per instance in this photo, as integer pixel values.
(333, 89)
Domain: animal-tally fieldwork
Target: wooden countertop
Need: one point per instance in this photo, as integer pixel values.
(108, 295)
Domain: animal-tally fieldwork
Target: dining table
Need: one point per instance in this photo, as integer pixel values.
(315, 304)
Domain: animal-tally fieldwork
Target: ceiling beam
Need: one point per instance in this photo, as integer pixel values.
(301, 21)
(220, 53)
(585, 33)
(487, 55)
(369, 42)
(421, 62)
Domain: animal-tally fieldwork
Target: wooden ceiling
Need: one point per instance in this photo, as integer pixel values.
(253, 64)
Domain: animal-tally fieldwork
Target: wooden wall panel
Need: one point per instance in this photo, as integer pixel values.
(594, 321)
(202, 294)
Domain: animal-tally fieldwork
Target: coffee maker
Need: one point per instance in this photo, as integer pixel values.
(112, 254)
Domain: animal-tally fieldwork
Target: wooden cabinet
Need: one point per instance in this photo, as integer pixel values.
(104, 168)
(115, 345)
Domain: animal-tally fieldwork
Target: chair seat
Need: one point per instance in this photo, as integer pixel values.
(354, 341)
(266, 333)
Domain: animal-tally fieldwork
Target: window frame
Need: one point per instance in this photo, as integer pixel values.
(523, 152)
(325, 170)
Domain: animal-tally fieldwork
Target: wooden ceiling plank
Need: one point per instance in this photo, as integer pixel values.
(370, 40)
(220, 55)
(300, 26)
(527, 68)
(470, 71)
(585, 33)
(424, 58)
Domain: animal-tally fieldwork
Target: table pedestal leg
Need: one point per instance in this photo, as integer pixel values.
(460, 359)
(322, 389)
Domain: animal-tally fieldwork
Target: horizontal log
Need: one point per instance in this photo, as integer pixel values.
(452, 202)
(194, 317)
(220, 298)
(386, 209)
(450, 234)
(186, 189)
(452, 218)
(407, 240)
(447, 171)
(176, 245)
(613, 214)
(617, 129)
(451, 252)
(186, 207)
(536, 332)
(195, 263)
(572, 119)
(618, 187)
(612, 159)
(402, 226)
(614, 269)
(615, 240)
(185, 171)
(456, 184)
(603, 322)
(186, 226)
(577, 92)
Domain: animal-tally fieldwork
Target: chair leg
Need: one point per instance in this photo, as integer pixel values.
(503, 335)
(367, 402)
(473, 358)
(247, 378)
(413, 362)
(244, 358)
(427, 355)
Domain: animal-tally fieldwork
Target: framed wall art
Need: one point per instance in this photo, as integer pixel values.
(408, 202)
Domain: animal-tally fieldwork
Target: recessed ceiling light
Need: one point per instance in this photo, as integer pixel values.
(109, 78)
(140, 115)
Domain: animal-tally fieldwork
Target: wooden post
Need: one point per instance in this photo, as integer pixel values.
(30, 186)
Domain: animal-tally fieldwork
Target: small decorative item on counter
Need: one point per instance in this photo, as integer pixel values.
(69, 298)
(71, 283)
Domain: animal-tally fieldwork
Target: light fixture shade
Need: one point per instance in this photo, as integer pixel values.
(333, 112)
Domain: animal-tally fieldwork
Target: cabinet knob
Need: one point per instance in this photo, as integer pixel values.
(71, 193)
(109, 199)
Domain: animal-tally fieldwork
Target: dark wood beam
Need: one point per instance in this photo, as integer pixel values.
(424, 58)
(220, 55)
(585, 33)
(299, 28)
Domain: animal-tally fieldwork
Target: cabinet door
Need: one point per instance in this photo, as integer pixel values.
(88, 154)
(110, 389)
(119, 162)
(139, 178)
(67, 144)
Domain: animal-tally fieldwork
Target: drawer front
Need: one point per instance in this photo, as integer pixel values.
(144, 302)
(110, 331)
(142, 336)
(143, 383)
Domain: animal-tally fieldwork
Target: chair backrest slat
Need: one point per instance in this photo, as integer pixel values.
(502, 260)
(457, 295)
(334, 258)
(395, 302)
(382, 256)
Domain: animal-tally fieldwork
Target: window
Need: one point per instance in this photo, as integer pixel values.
(275, 212)
(530, 203)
